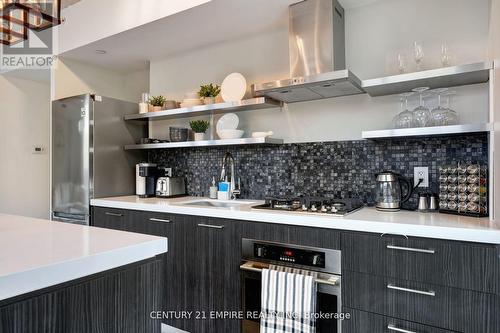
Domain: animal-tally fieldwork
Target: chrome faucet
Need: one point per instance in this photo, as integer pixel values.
(229, 159)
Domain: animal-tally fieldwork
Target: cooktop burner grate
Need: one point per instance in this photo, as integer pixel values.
(308, 204)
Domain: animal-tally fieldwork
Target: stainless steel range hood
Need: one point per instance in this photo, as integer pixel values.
(317, 56)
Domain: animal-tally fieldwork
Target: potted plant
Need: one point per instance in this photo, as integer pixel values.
(208, 93)
(157, 102)
(199, 128)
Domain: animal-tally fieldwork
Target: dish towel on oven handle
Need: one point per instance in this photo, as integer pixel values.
(288, 301)
(289, 269)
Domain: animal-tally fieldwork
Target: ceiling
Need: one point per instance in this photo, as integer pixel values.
(214, 22)
(208, 24)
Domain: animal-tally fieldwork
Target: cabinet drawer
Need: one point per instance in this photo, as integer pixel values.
(110, 218)
(454, 264)
(434, 305)
(365, 322)
(150, 223)
(305, 236)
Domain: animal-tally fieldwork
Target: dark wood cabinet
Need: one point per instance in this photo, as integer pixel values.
(177, 262)
(434, 305)
(110, 218)
(216, 275)
(448, 263)
(305, 236)
(115, 301)
(202, 273)
(201, 265)
(366, 322)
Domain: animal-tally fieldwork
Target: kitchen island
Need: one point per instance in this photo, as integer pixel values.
(61, 277)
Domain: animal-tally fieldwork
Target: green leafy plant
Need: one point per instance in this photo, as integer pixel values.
(199, 126)
(157, 100)
(209, 90)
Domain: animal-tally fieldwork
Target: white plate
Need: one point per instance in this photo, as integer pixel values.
(229, 121)
(233, 87)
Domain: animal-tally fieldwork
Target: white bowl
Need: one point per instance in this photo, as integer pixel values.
(230, 134)
(262, 134)
(229, 121)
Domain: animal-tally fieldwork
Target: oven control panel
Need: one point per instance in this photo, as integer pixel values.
(289, 255)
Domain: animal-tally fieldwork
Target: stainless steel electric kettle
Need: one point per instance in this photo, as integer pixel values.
(389, 191)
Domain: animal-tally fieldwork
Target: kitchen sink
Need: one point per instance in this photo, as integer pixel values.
(214, 203)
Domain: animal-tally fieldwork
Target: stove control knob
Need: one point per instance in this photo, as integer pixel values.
(323, 209)
(304, 207)
(313, 208)
(316, 259)
(334, 210)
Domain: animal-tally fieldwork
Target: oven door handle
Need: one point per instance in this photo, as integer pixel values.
(332, 280)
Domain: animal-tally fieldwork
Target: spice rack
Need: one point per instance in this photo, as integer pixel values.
(463, 189)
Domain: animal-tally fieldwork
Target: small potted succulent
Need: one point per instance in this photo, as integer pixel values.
(199, 128)
(157, 102)
(208, 93)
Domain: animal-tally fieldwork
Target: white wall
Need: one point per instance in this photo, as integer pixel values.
(91, 20)
(494, 41)
(72, 78)
(24, 177)
(375, 34)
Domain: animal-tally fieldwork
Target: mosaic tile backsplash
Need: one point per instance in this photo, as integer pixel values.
(331, 169)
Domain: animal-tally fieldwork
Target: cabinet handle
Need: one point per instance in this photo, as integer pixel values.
(410, 249)
(250, 266)
(391, 327)
(414, 291)
(113, 214)
(393, 235)
(159, 220)
(211, 226)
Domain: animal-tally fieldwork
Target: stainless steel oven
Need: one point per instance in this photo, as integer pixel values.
(257, 255)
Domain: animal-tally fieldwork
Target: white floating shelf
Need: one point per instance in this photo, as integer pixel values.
(207, 143)
(427, 131)
(206, 110)
(435, 78)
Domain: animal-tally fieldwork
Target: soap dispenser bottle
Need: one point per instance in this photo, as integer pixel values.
(213, 189)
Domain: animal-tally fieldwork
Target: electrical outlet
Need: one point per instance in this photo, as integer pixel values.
(421, 173)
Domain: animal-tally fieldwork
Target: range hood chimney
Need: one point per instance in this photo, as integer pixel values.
(317, 56)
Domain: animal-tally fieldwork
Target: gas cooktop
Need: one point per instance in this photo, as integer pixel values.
(316, 205)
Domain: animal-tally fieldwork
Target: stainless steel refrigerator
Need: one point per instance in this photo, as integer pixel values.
(88, 159)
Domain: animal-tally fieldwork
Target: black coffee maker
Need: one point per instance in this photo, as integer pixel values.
(145, 179)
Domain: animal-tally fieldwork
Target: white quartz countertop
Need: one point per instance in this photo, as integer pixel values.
(35, 254)
(431, 225)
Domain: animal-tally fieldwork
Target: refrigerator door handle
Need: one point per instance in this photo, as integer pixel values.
(70, 218)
